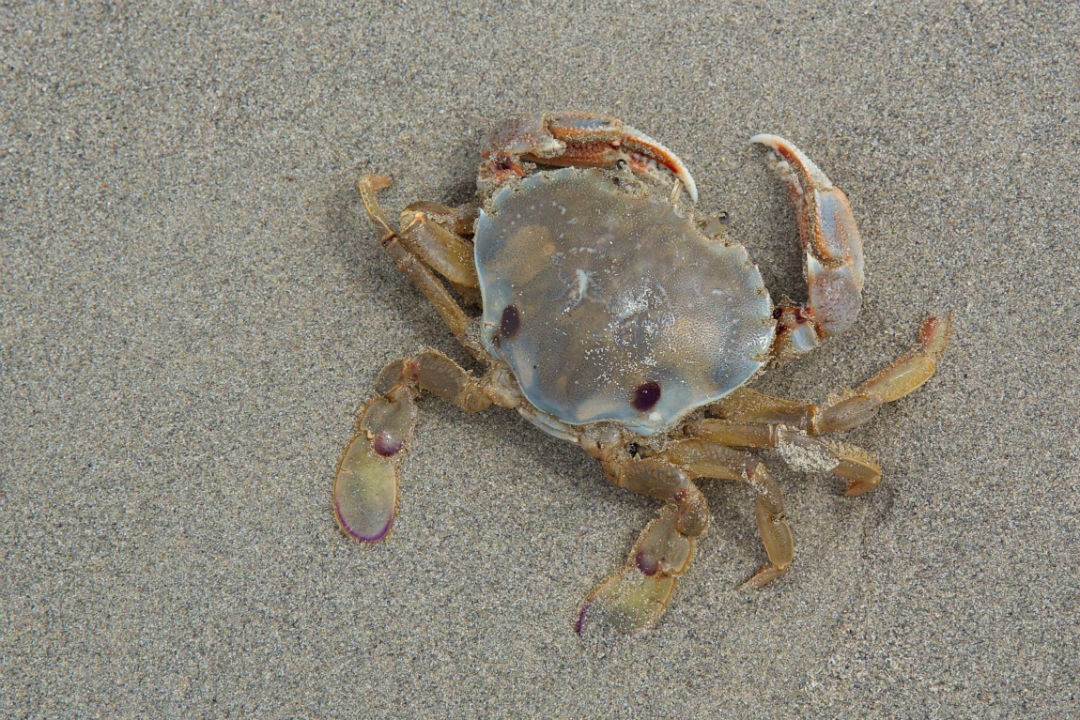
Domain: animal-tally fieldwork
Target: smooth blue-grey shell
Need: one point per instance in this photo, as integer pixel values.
(609, 304)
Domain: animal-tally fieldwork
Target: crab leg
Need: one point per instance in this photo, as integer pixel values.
(365, 486)
(576, 138)
(702, 458)
(458, 220)
(799, 450)
(832, 247)
(441, 250)
(891, 383)
(418, 248)
(749, 418)
(901, 377)
(633, 599)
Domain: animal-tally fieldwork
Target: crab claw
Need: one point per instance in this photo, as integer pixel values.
(601, 140)
(580, 139)
(830, 239)
(365, 487)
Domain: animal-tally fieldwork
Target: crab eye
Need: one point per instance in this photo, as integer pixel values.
(646, 395)
(510, 322)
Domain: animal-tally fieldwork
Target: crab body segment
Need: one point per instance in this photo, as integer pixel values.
(611, 317)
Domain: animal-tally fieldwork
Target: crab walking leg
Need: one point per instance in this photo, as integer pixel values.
(855, 407)
(633, 599)
(702, 458)
(750, 407)
(773, 527)
(458, 220)
(891, 383)
(406, 258)
(442, 250)
(749, 418)
(580, 139)
(365, 486)
(799, 450)
(832, 253)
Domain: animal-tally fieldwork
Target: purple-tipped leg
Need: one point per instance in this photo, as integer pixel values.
(365, 488)
(365, 492)
(634, 598)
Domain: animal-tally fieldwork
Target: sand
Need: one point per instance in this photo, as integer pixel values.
(193, 307)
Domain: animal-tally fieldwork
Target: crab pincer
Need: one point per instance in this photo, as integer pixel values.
(579, 139)
(832, 246)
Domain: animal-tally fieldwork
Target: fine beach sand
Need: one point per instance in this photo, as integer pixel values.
(193, 306)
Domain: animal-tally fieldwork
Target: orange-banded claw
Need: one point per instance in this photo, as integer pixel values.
(635, 597)
(580, 139)
(365, 487)
(831, 243)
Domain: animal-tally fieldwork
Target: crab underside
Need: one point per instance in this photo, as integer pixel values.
(612, 318)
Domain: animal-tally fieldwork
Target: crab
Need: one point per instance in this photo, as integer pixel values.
(611, 317)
